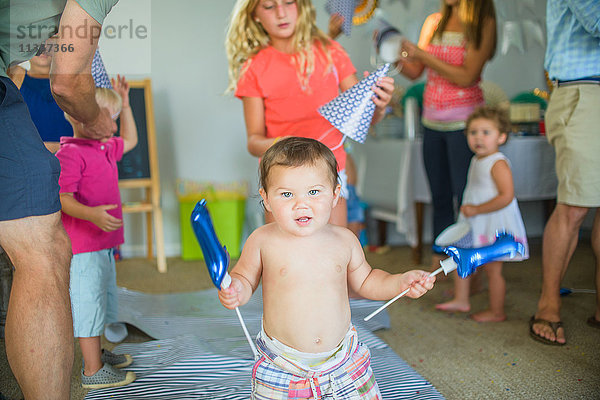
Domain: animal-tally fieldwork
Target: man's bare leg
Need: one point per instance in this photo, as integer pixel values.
(559, 243)
(39, 327)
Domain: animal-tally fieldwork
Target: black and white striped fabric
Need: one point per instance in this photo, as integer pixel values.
(202, 352)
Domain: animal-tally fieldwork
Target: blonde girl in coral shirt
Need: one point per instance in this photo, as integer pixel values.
(283, 68)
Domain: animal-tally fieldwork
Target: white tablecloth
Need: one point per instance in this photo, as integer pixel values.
(391, 176)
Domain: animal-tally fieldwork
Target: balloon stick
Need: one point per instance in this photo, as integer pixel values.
(448, 265)
(224, 285)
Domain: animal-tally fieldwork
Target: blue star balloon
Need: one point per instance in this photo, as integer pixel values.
(352, 111)
(467, 260)
(215, 255)
(99, 72)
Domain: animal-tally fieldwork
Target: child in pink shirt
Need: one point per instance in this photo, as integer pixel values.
(92, 216)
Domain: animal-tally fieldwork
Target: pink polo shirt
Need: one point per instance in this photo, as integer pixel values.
(89, 171)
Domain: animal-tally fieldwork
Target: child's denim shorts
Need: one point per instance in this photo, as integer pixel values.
(93, 291)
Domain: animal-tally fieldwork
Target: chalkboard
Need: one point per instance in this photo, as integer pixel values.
(135, 164)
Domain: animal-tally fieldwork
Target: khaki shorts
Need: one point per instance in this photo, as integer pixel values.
(573, 128)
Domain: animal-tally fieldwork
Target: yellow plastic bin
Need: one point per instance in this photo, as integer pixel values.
(227, 210)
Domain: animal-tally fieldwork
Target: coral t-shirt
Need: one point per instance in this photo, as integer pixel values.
(290, 108)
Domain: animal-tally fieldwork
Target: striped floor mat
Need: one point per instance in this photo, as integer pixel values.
(201, 351)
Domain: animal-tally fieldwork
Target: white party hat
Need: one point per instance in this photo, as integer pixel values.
(352, 111)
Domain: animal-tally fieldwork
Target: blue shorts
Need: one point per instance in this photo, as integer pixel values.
(93, 290)
(28, 171)
(355, 211)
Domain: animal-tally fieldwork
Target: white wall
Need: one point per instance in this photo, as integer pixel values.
(200, 131)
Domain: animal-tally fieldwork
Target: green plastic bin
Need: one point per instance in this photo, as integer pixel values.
(227, 216)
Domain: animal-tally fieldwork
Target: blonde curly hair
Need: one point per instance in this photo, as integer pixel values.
(246, 37)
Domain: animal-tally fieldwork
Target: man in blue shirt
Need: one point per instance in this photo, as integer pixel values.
(39, 330)
(573, 128)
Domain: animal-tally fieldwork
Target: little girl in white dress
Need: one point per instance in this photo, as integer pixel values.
(489, 206)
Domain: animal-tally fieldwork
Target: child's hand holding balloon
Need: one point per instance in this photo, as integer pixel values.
(230, 296)
(418, 282)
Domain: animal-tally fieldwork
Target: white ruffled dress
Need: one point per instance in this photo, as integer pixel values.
(481, 188)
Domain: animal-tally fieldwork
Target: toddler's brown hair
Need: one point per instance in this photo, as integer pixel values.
(294, 151)
(498, 115)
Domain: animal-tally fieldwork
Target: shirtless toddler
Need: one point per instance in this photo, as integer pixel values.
(308, 346)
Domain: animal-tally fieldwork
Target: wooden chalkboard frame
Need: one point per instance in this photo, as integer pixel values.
(151, 185)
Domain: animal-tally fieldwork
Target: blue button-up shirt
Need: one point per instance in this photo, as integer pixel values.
(573, 31)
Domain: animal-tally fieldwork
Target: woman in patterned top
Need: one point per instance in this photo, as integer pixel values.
(454, 46)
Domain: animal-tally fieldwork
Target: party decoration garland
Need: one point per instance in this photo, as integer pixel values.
(364, 11)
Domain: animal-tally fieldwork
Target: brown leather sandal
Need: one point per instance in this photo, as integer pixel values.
(553, 325)
(593, 322)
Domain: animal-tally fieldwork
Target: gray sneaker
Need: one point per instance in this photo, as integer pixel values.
(116, 360)
(107, 377)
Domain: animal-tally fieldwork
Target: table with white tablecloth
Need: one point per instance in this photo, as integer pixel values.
(391, 177)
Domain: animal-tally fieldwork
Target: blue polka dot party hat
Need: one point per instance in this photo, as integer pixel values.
(345, 8)
(99, 72)
(351, 112)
